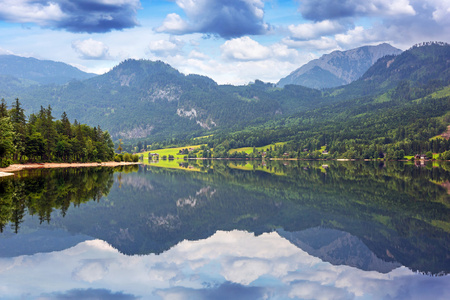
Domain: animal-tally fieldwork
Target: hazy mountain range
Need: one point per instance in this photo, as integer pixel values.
(146, 99)
(36, 71)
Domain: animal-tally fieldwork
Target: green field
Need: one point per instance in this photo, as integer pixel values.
(249, 150)
(170, 151)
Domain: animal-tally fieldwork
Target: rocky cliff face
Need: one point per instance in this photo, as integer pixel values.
(339, 67)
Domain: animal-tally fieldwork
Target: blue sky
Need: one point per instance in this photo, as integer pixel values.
(231, 41)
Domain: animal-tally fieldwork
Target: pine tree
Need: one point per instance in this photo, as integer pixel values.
(3, 109)
(18, 121)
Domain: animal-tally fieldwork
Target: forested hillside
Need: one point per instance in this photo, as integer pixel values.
(144, 99)
(399, 104)
(392, 110)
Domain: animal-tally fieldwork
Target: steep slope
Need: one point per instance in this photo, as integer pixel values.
(426, 64)
(398, 105)
(40, 71)
(338, 68)
(420, 64)
(147, 99)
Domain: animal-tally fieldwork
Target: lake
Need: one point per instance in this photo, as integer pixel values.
(227, 230)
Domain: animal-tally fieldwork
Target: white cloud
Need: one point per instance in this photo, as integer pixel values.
(284, 53)
(25, 11)
(308, 31)
(91, 49)
(318, 291)
(278, 64)
(194, 54)
(441, 11)
(392, 8)
(174, 24)
(5, 52)
(225, 18)
(164, 48)
(91, 270)
(356, 36)
(265, 262)
(73, 16)
(244, 49)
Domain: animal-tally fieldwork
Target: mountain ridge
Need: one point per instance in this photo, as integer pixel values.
(338, 67)
(40, 71)
(143, 99)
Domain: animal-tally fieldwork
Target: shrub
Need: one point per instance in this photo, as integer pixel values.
(5, 162)
(127, 157)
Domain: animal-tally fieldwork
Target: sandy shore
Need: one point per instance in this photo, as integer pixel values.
(19, 167)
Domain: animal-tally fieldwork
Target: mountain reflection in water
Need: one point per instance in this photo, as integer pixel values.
(233, 230)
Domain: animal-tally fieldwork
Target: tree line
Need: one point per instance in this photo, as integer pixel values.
(41, 138)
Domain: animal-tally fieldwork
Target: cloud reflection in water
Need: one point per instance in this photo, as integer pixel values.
(227, 265)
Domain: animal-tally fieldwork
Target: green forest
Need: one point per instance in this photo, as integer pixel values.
(41, 138)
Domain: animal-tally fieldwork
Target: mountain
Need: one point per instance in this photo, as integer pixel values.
(142, 99)
(338, 68)
(38, 71)
(150, 99)
(420, 64)
(395, 109)
(423, 65)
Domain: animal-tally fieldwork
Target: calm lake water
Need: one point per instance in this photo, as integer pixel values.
(227, 230)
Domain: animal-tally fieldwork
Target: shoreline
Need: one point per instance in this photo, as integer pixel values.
(9, 171)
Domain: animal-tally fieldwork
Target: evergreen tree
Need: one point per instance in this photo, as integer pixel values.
(18, 121)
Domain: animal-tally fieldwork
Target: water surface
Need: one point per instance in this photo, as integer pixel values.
(227, 230)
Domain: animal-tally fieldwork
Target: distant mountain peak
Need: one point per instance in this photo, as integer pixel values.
(338, 67)
(40, 71)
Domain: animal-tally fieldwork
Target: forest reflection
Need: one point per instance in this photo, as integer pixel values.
(42, 191)
(400, 211)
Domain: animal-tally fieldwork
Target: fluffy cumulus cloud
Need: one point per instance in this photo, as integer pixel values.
(163, 48)
(244, 49)
(351, 23)
(72, 15)
(240, 61)
(91, 49)
(441, 10)
(224, 18)
(308, 31)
